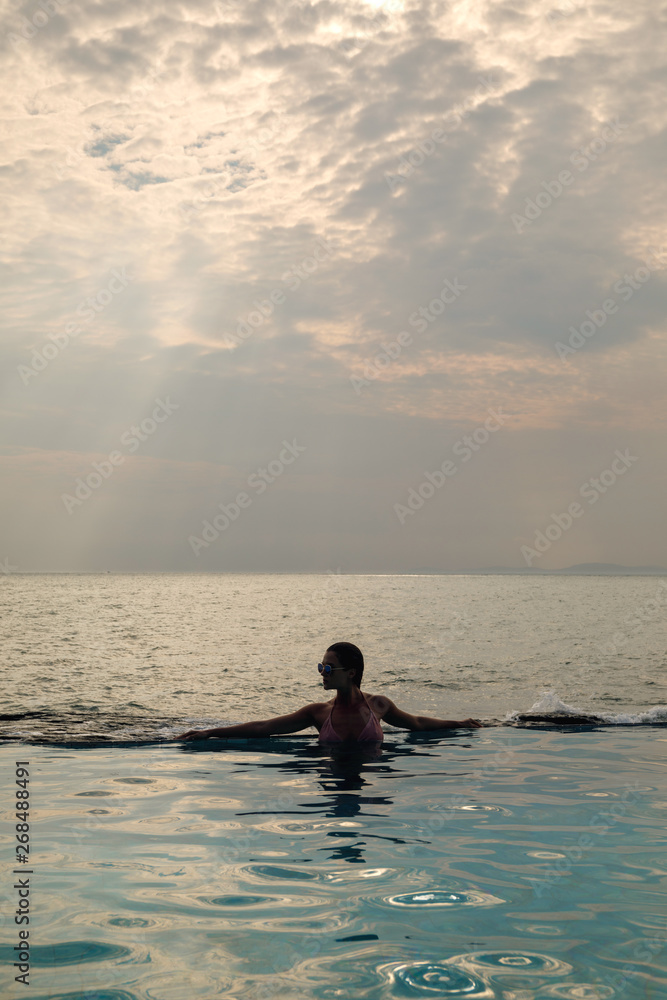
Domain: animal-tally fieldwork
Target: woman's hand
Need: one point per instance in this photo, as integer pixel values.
(469, 724)
(194, 734)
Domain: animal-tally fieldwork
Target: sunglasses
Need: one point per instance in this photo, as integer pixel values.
(326, 668)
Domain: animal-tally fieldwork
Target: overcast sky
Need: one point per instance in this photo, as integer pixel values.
(337, 285)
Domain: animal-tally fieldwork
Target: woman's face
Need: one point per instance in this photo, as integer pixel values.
(336, 670)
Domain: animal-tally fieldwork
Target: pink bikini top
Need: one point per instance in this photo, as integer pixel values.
(371, 731)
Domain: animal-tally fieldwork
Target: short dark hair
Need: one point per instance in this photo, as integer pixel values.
(350, 657)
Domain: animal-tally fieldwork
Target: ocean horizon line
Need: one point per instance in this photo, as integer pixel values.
(578, 569)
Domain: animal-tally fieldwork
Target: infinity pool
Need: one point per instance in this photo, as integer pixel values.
(502, 863)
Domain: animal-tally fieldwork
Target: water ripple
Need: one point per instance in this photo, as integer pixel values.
(424, 978)
(68, 953)
(273, 871)
(444, 897)
(130, 922)
(580, 991)
(89, 995)
(495, 963)
(242, 901)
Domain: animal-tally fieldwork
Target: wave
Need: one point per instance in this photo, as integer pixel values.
(550, 709)
(92, 727)
(96, 727)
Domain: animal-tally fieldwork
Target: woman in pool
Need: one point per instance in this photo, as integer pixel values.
(351, 717)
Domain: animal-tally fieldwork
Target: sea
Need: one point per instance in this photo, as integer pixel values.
(520, 861)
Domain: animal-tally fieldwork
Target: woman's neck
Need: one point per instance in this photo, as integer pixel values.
(347, 699)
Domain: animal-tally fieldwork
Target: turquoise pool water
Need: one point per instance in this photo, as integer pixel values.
(505, 863)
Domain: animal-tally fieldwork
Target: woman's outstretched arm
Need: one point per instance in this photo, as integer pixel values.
(293, 723)
(404, 720)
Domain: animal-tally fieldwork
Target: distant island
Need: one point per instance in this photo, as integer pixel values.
(581, 569)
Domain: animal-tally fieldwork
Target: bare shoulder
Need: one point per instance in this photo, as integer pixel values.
(319, 710)
(380, 704)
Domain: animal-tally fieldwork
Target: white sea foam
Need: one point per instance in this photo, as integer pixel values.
(656, 716)
(550, 704)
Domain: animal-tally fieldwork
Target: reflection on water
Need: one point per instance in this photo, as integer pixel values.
(96, 994)
(67, 953)
(343, 773)
(424, 978)
(438, 867)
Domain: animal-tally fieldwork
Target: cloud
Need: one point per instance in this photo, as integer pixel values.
(208, 148)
